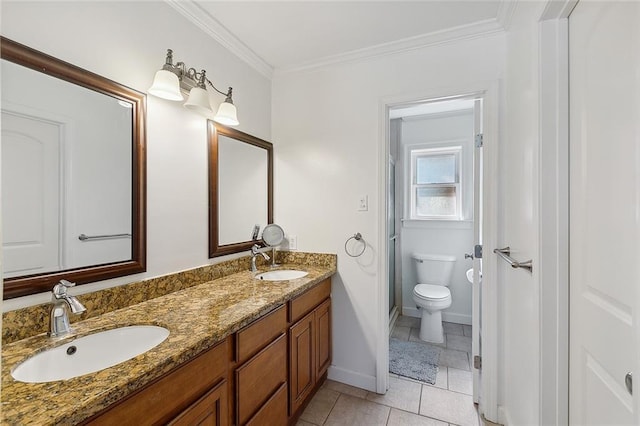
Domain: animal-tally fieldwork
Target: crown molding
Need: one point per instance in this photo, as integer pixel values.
(463, 32)
(505, 13)
(203, 20)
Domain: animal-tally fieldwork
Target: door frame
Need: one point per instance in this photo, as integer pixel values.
(553, 266)
(554, 212)
(490, 92)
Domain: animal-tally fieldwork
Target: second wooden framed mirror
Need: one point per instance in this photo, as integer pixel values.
(240, 188)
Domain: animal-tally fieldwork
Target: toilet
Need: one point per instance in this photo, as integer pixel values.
(432, 294)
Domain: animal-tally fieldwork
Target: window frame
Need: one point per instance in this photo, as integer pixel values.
(421, 151)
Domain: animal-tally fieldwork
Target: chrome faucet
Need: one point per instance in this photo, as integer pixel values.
(61, 301)
(255, 251)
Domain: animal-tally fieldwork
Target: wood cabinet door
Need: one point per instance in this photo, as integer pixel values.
(323, 337)
(302, 367)
(210, 410)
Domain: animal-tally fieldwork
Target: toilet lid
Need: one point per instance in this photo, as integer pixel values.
(429, 291)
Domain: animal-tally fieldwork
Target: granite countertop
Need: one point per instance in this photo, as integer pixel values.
(197, 318)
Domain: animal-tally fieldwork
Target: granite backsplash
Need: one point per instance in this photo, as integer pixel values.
(33, 320)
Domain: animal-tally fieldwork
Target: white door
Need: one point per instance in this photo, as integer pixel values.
(604, 63)
(476, 329)
(30, 195)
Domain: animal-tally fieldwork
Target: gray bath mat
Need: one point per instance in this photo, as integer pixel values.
(415, 360)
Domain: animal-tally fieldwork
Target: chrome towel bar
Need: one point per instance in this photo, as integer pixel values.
(83, 237)
(505, 253)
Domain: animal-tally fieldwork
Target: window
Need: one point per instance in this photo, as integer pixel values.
(435, 183)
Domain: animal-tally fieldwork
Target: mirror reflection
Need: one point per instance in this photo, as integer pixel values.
(242, 189)
(66, 171)
(240, 168)
(72, 174)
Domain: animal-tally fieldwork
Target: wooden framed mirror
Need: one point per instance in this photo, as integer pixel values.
(73, 174)
(240, 188)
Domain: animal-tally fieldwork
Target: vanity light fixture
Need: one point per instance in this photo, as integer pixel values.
(172, 78)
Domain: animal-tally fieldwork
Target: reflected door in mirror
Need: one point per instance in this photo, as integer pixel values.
(31, 177)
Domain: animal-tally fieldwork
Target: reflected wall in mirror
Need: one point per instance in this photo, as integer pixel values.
(73, 174)
(240, 188)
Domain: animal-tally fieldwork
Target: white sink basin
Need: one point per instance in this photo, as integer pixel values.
(281, 275)
(89, 354)
(470, 275)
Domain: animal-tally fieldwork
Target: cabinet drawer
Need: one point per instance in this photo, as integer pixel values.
(307, 301)
(274, 412)
(259, 378)
(260, 333)
(171, 394)
(211, 409)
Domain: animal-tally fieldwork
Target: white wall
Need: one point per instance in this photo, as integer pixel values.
(519, 169)
(326, 133)
(127, 42)
(440, 237)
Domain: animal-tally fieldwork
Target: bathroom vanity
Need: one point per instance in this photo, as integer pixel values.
(240, 351)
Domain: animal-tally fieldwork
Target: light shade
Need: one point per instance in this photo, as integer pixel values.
(199, 102)
(227, 114)
(166, 86)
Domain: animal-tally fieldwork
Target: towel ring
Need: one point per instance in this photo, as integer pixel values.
(357, 237)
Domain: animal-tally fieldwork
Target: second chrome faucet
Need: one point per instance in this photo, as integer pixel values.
(255, 251)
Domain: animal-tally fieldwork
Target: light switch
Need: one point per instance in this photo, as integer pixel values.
(363, 203)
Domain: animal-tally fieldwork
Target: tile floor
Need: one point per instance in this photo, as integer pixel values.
(407, 402)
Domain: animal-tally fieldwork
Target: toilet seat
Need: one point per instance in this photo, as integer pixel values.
(431, 292)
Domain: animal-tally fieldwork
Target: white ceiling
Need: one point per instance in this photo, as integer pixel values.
(291, 35)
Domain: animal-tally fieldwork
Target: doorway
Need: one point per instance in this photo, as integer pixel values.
(443, 219)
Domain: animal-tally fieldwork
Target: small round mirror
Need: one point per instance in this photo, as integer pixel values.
(273, 235)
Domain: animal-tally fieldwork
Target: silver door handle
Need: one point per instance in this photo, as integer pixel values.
(628, 381)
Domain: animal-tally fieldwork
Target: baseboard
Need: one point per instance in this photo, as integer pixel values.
(456, 318)
(411, 312)
(352, 378)
(446, 316)
(503, 416)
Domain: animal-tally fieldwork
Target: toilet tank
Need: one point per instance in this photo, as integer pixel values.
(433, 269)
